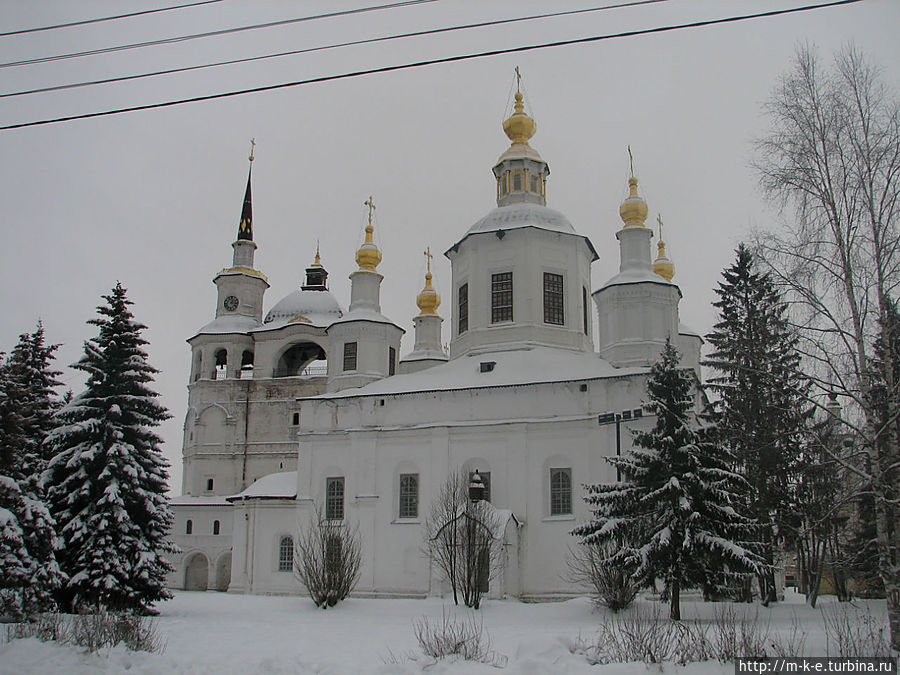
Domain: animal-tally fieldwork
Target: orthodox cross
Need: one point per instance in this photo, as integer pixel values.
(659, 220)
(428, 256)
(252, 146)
(631, 161)
(518, 79)
(370, 202)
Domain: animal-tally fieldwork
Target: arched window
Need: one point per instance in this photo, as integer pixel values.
(560, 492)
(409, 495)
(221, 365)
(286, 554)
(247, 365)
(189, 527)
(215, 527)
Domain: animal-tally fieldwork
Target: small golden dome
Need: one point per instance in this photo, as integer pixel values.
(662, 265)
(634, 209)
(428, 300)
(519, 127)
(368, 256)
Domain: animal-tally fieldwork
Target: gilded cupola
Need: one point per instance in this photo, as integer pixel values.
(368, 256)
(519, 127)
(428, 300)
(634, 209)
(663, 266)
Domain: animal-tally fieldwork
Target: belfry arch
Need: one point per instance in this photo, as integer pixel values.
(297, 357)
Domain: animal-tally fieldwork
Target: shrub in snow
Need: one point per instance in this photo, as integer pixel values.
(465, 637)
(327, 559)
(106, 484)
(854, 632)
(678, 513)
(94, 631)
(611, 586)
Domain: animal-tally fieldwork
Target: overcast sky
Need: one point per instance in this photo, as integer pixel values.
(152, 198)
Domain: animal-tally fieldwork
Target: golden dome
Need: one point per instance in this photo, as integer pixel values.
(428, 300)
(519, 127)
(368, 256)
(634, 209)
(663, 266)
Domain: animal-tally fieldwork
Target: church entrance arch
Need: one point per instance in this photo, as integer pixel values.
(301, 358)
(223, 571)
(196, 573)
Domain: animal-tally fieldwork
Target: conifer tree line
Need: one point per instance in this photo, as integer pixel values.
(83, 514)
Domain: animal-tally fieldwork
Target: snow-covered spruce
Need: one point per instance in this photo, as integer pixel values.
(676, 515)
(106, 483)
(762, 412)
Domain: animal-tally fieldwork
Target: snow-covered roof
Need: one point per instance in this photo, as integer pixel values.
(525, 366)
(229, 323)
(364, 315)
(317, 308)
(636, 276)
(684, 329)
(192, 500)
(274, 486)
(519, 215)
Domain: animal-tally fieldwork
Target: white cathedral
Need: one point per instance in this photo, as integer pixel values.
(309, 406)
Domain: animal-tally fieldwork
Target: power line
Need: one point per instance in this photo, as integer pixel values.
(353, 43)
(431, 62)
(85, 22)
(214, 33)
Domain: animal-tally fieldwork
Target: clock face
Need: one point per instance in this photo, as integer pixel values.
(231, 303)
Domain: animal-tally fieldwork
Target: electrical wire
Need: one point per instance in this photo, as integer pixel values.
(85, 22)
(213, 33)
(307, 50)
(431, 62)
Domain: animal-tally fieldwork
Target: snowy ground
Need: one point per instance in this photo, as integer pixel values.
(219, 634)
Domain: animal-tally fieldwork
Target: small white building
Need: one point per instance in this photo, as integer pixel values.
(310, 405)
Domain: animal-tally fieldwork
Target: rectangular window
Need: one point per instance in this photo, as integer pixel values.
(501, 297)
(535, 184)
(209, 484)
(486, 480)
(409, 495)
(463, 312)
(560, 492)
(334, 498)
(553, 298)
(517, 182)
(392, 361)
(286, 554)
(349, 356)
(584, 308)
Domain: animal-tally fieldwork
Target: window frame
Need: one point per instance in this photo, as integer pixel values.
(554, 294)
(462, 304)
(351, 356)
(560, 503)
(285, 553)
(408, 499)
(334, 498)
(392, 361)
(502, 297)
(189, 527)
(217, 528)
(584, 309)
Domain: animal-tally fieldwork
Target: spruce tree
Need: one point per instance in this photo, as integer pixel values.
(106, 483)
(761, 411)
(676, 515)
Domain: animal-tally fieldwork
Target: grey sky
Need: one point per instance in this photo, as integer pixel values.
(153, 198)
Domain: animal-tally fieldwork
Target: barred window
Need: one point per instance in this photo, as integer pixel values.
(560, 492)
(409, 495)
(517, 182)
(349, 356)
(501, 297)
(584, 308)
(553, 298)
(535, 184)
(392, 361)
(334, 498)
(286, 554)
(463, 313)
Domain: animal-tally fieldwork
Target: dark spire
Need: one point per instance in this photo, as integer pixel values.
(245, 228)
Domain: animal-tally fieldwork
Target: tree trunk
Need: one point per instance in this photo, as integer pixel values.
(675, 600)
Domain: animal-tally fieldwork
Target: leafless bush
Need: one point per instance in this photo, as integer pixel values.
(327, 558)
(792, 644)
(640, 634)
(45, 627)
(612, 585)
(854, 632)
(465, 637)
(99, 629)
